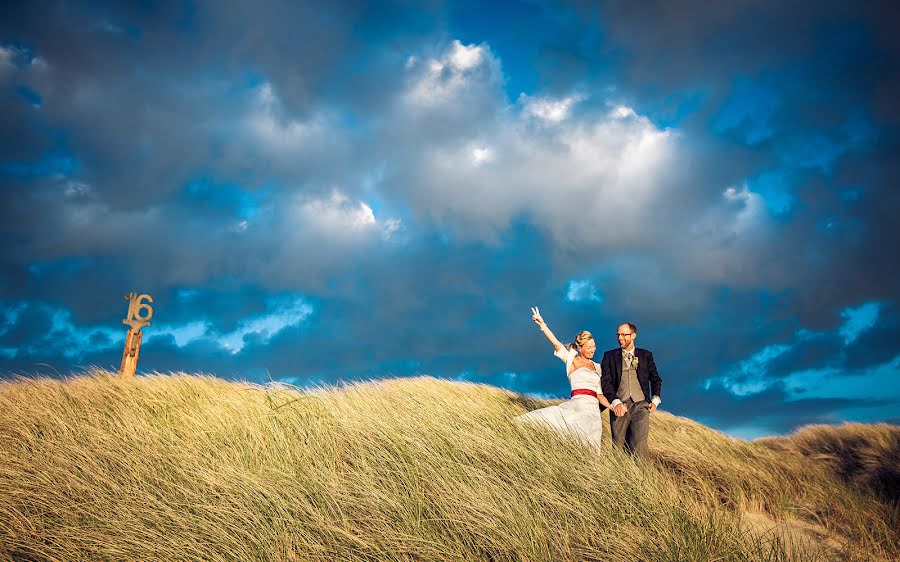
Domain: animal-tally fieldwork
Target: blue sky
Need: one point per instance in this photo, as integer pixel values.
(315, 193)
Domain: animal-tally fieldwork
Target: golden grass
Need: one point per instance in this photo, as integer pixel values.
(193, 467)
(864, 455)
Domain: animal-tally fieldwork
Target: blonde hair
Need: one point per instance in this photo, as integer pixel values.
(581, 338)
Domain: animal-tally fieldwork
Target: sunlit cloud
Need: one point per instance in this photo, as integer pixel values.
(444, 79)
(749, 375)
(548, 110)
(603, 160)
(622, 112)
(482, 155)
(582, 290)
(338, 218)
(261, 328)
(183, 334)
(750, 206)
(266, 326)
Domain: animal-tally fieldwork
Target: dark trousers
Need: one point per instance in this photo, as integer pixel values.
(631, 430)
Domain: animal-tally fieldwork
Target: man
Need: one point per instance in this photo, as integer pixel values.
(627, 374)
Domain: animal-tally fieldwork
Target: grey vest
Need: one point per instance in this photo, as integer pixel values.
(629, 386)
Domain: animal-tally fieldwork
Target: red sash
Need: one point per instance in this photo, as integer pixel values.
(586, 391)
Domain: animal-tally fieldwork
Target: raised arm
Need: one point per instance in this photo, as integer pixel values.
(536, 316)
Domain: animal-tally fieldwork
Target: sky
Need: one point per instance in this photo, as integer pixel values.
(318, 192)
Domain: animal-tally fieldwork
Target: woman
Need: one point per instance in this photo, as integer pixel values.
(580, 415)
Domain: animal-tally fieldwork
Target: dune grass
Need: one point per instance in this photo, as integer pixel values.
(193, 467)
(864, 455)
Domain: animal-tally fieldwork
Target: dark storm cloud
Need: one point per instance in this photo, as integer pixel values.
(799, 90)
(771, 411)
(149, 97)
(241, 162)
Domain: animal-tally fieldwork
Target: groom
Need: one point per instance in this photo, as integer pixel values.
(627, 373)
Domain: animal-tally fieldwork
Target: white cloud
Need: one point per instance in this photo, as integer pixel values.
(612, 178)
(546, 109)
(830, 382)
(390, 228)
(446, 79)
(482, 155)
(183, 334)
(582, 290)
(328, 226)
(751, 207)
(622, 112)
(545, 167)
(749, 376)
(284, 314)
(464, 57)
(266, 326)
(336, 214)
(581, 168)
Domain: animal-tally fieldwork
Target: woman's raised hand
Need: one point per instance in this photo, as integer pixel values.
(536, 316)
(542, 326)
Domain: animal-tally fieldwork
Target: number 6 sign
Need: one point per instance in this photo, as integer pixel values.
(139, 314)
(135, 305)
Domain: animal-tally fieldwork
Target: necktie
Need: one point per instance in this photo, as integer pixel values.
(629, 359)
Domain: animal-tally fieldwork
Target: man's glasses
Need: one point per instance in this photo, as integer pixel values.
(624, 335)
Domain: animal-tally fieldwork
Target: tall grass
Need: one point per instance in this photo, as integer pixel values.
(193, 467)
(864, 455)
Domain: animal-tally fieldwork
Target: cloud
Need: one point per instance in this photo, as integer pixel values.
(454, 154)
(835, 373)
(421, 190)
(750, 207)
(582, 290)
(482, 155)
(277, 132)
(858, 320)
(267, 326)
(336, 220)
(498, 167)
(548, 110)
(185, 333)
(35, 328)
(449, 78)
(6, 58)
(750, 375)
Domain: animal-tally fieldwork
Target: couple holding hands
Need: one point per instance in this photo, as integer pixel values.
(625, 375)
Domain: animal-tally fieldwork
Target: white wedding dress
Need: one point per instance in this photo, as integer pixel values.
(580, 415)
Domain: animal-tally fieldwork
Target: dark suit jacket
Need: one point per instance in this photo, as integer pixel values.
(611, 373)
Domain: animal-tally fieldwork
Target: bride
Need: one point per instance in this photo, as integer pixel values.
(580, 415)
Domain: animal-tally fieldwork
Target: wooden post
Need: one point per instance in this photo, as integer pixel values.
(131, 353)
(136, 320)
